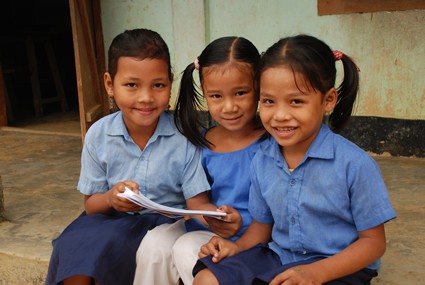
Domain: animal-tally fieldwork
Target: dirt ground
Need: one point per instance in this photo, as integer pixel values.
(39, 174)
(19, 271)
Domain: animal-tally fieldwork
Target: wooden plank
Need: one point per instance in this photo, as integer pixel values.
(332, 7)
(94, 113)
(91, 93)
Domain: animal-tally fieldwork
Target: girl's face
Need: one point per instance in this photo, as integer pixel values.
(230, 96)
(293, 117)
(141, 89)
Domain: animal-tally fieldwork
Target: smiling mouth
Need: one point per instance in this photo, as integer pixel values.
(232, 119)
(145, 111)
(284, 129)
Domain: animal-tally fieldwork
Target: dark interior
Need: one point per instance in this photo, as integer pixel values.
(36, 48)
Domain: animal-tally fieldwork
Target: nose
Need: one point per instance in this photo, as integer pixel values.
(229, 105)
(281, 113)
(145, 96)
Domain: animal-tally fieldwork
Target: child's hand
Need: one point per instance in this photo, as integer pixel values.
(122, 204)
(298, 275)
(218, 248)
(230, 224)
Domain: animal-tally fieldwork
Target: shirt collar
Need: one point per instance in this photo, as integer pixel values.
(322, 146)
(164, 127)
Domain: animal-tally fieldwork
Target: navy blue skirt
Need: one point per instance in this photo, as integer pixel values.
(259, 265)
(101, 246)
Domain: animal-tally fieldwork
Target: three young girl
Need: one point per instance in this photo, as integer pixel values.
(226, 72)
(317, 199)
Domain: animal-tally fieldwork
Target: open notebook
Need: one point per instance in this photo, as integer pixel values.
(145, 202)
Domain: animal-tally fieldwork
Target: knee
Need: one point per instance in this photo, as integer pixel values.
(151, 246)
(205, 277)
(179, 247)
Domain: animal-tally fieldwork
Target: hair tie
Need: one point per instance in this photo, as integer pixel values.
(338, 55)
(196, 62)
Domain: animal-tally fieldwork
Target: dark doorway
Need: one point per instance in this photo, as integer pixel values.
(37, 61)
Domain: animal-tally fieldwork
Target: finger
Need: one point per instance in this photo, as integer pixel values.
(203, 251)
(212, 248)
(279, 279)
(223, 253)
(119, 188)
(132, 185)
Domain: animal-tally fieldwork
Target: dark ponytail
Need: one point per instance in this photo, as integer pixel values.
(188, 103)
(347, 93)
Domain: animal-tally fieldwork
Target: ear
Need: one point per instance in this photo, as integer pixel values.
(330, 100)
(109, 85)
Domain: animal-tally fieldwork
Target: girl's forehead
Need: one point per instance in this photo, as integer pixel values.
(227, 67)
(285, 74)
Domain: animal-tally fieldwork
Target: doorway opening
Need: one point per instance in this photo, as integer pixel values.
(38, 66)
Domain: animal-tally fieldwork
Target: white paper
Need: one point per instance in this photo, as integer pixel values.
(145, 202)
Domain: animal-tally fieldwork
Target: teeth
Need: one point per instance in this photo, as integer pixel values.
(285, 129)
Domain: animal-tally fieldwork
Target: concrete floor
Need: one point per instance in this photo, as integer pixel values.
(40, 168)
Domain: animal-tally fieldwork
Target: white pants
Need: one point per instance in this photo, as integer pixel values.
(168, 253)
(154, 260)
(185, 253)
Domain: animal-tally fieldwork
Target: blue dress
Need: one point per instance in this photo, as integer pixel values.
(168, 170)
(228, 175)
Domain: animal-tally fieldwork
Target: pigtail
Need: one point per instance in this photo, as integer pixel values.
(188, 103)
(347, 94)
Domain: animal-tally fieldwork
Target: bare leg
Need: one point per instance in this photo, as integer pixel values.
(78, 280)
(205, 277)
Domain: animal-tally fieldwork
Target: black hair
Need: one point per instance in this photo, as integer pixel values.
(314, 59)
(137, 43)
(189, 102)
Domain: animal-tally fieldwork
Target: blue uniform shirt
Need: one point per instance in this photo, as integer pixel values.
(168, 170)
(228, 174)
(319, 208)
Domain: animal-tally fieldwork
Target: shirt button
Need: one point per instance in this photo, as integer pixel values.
(292, 182)
(292, 220)
(304, 252)
(142, 158)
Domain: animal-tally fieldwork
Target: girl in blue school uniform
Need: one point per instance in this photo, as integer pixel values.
(137, 147)
(318, 201)
(226, 72)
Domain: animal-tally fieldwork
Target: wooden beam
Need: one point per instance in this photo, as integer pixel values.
(332, 7)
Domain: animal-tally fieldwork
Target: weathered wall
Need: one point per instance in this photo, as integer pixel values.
(388, 46)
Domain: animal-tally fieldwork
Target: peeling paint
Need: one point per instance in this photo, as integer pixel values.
(389, 47)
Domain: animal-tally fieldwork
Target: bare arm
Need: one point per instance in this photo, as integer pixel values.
(200, 202)
(227, 228)
(220, 248)
(104, 203)
(368, 248)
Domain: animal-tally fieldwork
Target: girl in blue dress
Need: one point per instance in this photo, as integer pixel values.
(226, 73)
(318, 201)
(137, 147)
